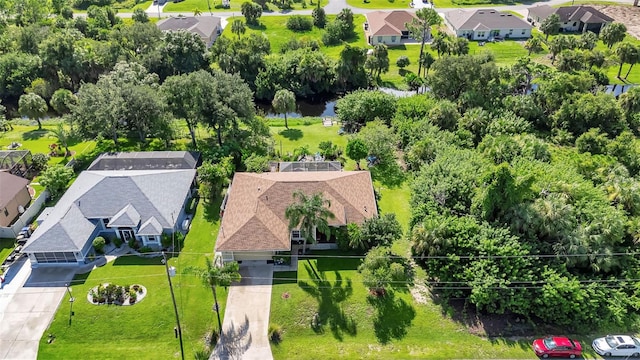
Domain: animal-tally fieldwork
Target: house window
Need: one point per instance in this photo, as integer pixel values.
(575, 23)
(55, 257)
(105, 222)
(379, 39)
(480, 33)
(510, 31)
(6, 212)
(393, 39)
(296, 234)
(523, 31)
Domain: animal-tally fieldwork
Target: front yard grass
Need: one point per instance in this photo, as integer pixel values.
(6, 248)
(146, 329)
(234, 6)
(351, 326)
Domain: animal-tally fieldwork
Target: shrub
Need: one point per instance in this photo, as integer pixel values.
(299, 23)
(98, 244)
(145, 249)
(117, 242)
(133, 243)
(39, 161)
(403, 61)
(275, 333)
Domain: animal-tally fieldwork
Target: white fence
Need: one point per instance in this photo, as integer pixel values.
(25, 219)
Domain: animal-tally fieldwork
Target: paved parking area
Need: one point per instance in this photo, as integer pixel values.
(28, 301)
(246, 318)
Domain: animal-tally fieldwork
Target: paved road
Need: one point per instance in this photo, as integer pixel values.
(28, 302)
(335, 6)
(246, 318)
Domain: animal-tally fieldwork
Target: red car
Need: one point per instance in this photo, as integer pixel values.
(557, 346)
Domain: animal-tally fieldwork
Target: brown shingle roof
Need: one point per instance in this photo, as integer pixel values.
(10, 186)
(388, 23)
(254, 217)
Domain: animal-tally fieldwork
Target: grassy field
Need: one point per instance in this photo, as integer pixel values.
(505, 52)
(144, 330)
(6, 248)
(234, 6)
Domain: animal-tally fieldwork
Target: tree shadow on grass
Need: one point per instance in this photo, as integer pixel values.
(292, 134)
(35, 135)
(260, 26)
(391, 176)
(393, 317)
(329, 297)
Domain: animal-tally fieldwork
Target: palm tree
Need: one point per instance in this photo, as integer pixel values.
(238, 28)
(534, 44)
(627, 53)
(309, 213)
(63, 136)
(214, 276)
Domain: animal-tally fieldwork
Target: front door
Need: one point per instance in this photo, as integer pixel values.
(126, 234)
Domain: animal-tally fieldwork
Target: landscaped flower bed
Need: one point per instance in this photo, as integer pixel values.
(117, 295)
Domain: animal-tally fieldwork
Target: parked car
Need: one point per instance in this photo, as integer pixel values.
(617, 345)
(557, 346)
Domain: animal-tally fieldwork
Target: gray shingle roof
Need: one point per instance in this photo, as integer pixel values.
(484, 19)
(103, 194)
(571, 13)
(146, 160)
(150, 227)
(204, 26)
(128, 216)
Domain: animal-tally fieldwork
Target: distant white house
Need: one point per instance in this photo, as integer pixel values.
(484, 24)
(207, 27)
(388, 27)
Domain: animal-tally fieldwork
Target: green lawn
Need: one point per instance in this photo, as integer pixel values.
(38, 141)
(144, 330)
(6, 248)
(216, 6)
(351, 326)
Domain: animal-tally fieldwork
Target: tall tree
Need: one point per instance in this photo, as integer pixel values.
(378, 62)
(309, 213)
(357, 150)
(284, 102)
(238, 28)
(460, 46)
(420, 28)
(251, 12)
(627, 53)
(550, 25)
(613, 33)
(32, 106)
(441, 44)
(533, 45)
(213, 276)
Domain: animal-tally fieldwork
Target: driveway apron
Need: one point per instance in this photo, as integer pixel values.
(246, 318)
(28, 301)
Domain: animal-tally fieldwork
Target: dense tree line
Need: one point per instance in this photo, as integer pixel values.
(522, 202)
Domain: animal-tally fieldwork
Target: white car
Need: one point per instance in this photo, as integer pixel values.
(617, 345)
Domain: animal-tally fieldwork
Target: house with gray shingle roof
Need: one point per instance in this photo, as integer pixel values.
(254, 225)
(484, 24)
(126, 204)
(578, 18)
(207, 27)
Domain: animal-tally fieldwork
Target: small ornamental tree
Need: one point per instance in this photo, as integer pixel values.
(403, 61)
(382, 269)
(55, 179)
(357, 150)
(32, 106)
(98, 244)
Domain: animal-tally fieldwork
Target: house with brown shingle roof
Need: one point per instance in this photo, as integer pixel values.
(14, 197)
(388, 27)
(572, 18)
(254, 225)
(484, 24)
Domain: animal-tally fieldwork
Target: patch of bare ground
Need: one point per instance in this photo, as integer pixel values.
(420, 293)
(489, 325)
(628, 15)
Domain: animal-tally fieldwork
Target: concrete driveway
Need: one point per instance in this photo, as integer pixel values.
(246, 318)
(28, 302)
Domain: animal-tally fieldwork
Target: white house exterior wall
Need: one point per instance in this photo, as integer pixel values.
(387, 40)
(251, 255)
(503, 33)
(570, 26)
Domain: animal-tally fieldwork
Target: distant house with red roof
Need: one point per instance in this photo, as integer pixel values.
(388, 27)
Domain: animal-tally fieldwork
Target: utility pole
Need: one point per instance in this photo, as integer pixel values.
(175, 307)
